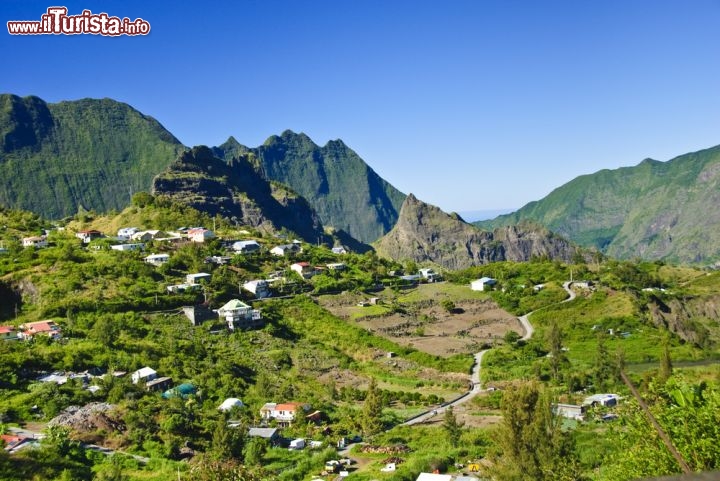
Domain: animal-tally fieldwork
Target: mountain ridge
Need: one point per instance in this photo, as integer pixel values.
(654, 210)
(82, 154)
(235, 190)
(345, 191)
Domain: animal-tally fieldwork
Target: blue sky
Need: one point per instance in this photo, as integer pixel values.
(470, 105)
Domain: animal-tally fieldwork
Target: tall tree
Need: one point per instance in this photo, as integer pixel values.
(530, 443)
(452, 427)
(372, 410)
(604, 369)
(665, 361)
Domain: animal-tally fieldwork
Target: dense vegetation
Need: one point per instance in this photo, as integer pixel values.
(58, 159)
(652, 320)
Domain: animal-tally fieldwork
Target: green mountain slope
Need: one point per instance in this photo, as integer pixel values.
(94, 154)
(655, 210)
(426, 233)
(235, 190)
(341, 187)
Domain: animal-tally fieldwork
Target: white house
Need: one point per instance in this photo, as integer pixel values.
(182, 287)
(284, 413)
(200, 234)
(607, 400)
(126, 233)
(480, 284)
(337, 266)
(339, 250)
(570, 411)
(35, 241)
(199, 278)
(429, 274)
(157, 259)
(297, 444)
(286, 249)
(433, 477)
(304, 269)
(128, 247)
(88, 235)
(245, 247)
(259, 287)
(238, 314)
(143, 374)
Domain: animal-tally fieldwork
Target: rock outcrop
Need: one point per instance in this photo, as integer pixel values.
(425, 233)
(237, 191)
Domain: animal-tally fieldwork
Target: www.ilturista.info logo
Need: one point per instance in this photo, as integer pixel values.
(57, 22)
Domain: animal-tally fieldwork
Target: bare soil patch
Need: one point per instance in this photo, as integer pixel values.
(427, 326)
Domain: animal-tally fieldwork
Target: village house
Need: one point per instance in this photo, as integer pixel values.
(283, 413)
(199, 234)
(246, 247)
(570, 411)
(35, 241)
(337, 266)
(607, 400)
(126, 233)
(482, 283)
(182, 287)
(8, 333)
(259, 287)
(148, 235)
(285, 249)
(304, 269)
(128, 247)
(199, 278)
(237, 314)
(87, 236)
(43, 328)
(157, 259)
(144, 374)
(339, 250)
(271, 434)
(429, 274)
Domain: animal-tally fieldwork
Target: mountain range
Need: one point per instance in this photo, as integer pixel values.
(94, 154)
(654, 210)
(58, 159)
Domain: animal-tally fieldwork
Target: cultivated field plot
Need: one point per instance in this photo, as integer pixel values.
(418, 318)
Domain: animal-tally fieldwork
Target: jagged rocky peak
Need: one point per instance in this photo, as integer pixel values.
(425, 233)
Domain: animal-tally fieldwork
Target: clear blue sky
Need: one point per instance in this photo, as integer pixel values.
(470, 105)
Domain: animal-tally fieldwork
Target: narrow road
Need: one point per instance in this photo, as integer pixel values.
(475, 374)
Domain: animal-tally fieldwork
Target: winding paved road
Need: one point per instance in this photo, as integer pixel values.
(475, 375)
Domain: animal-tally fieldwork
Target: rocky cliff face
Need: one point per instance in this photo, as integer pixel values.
(688, 318)
(236, 190)
(341, 187)
(425, 233)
